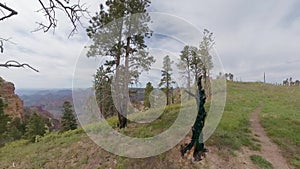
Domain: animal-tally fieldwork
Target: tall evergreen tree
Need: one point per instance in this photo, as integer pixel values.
(195, 61)
(166, 79)
(15, 129)
(148, 90)
(68, 120)
(190, 63)
(35, 127)
(185, 64)
(118, 35)
(102, 86)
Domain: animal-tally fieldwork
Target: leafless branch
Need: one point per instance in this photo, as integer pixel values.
(3, 13)
(74, 12)
(6, 39)
(2, 44)
(12, 12)
(13, 63)
(191, 94)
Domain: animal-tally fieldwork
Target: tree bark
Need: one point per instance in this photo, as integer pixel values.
(117, 83)
(125, 92)
(189, 78)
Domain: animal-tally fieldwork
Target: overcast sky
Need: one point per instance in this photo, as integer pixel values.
(252, 37)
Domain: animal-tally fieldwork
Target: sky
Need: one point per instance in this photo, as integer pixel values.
(252, 37)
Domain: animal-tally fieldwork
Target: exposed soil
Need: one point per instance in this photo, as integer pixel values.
(269, 150)
(241, 159)
(216, 160)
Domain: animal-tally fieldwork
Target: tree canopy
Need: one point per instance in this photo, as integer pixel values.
(118, 31)
(35, 127)
(68, 120)
(148, 90)
(166, 80)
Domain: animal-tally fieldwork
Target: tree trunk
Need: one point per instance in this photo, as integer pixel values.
(125, 92)
(206, 82)
(168, 89)
(117, 83)
(189, 79)
(196, 74)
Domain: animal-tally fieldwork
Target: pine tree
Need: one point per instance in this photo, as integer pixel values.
(15, 129)
(196, 61)
(119, 37)
(185, 64)
(102, 86)
(35, 127)
(68, 120)
(148, 90)
(166, 79)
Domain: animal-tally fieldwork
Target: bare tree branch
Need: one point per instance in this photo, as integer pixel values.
(2, 44)
(49, 8)
(73, 12)
(191, 94)
(12, 12)
(13, 63)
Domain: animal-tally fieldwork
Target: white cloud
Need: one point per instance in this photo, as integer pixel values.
(252, 37)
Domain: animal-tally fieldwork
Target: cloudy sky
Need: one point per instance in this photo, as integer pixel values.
(252, 37)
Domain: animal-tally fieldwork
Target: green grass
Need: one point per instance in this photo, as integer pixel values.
(37, 154)
(234, 131)
(261, 162)
(280, 116)
(85, 160)
(281, 119)
(144, 130)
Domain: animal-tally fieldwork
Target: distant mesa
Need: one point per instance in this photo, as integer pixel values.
(13, 104)
(50, 100)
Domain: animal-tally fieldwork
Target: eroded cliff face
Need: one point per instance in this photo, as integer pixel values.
(13, 104)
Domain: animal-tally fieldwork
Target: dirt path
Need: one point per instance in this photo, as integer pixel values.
(214, 160)
(269, 150)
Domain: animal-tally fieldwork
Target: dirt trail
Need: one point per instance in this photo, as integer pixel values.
(214, 160)
(269, 150)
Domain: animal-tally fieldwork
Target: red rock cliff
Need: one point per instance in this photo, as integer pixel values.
(13, 104)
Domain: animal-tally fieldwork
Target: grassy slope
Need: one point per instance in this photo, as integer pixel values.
(75, 150)
(281, 119)
(234, 128)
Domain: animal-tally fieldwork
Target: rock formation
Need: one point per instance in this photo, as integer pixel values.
(13, 104)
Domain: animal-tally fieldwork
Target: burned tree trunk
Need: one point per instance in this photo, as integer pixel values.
(197, 137)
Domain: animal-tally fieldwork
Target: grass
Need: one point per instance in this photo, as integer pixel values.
(261, 162)
(280, 117)
(144, 130)
(38, 154)
(234, 131)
